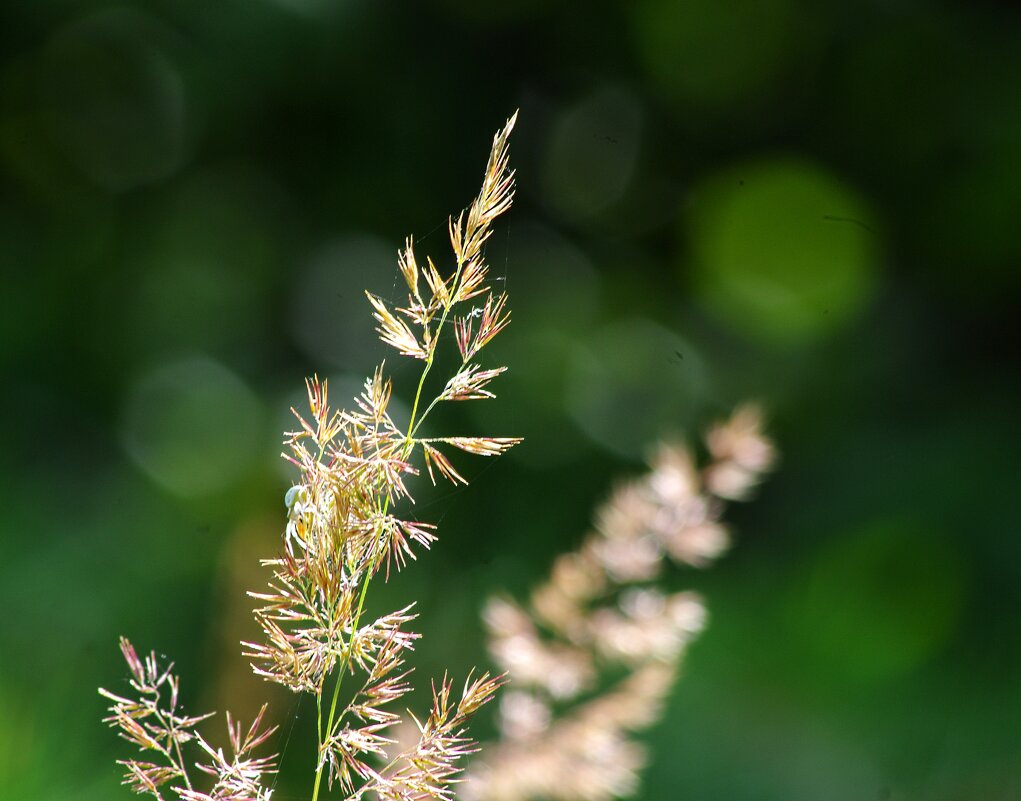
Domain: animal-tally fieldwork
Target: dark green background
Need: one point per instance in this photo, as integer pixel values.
(811, 204)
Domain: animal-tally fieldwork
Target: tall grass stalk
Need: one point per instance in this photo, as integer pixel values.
(341, 531)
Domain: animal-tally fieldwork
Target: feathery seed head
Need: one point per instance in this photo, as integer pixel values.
(342, 526)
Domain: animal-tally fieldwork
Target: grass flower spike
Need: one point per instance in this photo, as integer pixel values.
(343, 527)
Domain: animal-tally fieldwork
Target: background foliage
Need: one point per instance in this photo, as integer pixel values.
(811, 204)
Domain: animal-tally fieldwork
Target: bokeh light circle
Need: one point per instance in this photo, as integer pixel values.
(632, 381)
(715, 56)
(592, 152)
(329, 313)
(114, 99)
(781, 249)
(193, 426)
(202, 270)
(882, 600)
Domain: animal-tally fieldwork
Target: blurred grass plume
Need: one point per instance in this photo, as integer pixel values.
(566, 725)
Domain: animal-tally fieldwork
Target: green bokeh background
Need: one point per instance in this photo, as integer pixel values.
(810, 204)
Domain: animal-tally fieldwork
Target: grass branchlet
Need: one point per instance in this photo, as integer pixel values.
(153, 722)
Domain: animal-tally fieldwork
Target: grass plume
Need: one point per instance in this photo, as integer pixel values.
(342, 529)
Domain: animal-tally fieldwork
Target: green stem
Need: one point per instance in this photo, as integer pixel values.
(425, 414)
(412, 427)
(418, 393)
(332, 720)
(319, 778)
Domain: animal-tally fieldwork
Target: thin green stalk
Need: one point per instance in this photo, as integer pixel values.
(332, 720)
(324, 735)
(429, 362)
(429, 408)
(319, 778)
